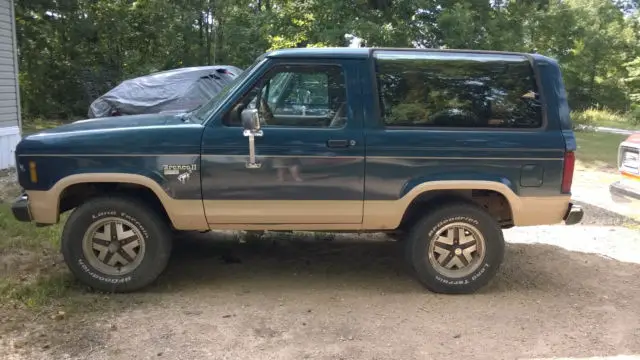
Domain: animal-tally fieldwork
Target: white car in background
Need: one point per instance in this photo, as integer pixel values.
(627, 189)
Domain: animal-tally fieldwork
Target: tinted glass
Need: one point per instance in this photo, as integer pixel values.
(297, 96)
(463, 90)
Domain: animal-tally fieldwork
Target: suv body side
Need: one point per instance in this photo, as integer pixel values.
(362, 175)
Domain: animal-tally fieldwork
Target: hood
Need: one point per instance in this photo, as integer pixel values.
(634, 139)
(115, 123)
(134, 134)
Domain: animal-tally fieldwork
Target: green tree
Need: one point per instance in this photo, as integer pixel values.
(71, 51)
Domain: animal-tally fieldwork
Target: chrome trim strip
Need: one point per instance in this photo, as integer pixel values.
(461, 158)
(103, 155)
(303, 156)
(426, 148)
(412, 149)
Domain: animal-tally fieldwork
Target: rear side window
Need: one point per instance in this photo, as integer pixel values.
(441, 89)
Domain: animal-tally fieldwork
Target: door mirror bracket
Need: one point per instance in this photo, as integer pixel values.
(251, 129)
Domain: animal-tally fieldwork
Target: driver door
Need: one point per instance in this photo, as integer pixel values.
(306, 164)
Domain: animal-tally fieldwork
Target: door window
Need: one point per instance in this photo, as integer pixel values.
(296, 96)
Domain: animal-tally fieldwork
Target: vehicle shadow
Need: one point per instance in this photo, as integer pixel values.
(292, 261)
(372, 261)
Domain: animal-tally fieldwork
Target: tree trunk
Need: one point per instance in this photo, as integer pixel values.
(220, 40)
(201, 44)
(209, 32)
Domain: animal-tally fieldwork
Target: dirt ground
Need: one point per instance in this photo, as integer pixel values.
(563, 292)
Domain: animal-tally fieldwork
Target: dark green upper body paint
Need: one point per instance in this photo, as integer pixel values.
(381, 164)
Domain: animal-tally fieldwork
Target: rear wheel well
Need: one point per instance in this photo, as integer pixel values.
(75, 195)
(491, 201)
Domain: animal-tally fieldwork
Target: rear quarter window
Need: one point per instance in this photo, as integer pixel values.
(457, 90)
(557, 106)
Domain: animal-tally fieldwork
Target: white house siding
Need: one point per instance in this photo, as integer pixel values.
(9, 92)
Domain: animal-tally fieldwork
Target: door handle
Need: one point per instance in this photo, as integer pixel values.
(340, 143)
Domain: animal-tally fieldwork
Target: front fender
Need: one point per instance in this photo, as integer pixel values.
(184, 214)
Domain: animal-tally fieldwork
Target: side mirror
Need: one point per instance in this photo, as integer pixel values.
(250, 119)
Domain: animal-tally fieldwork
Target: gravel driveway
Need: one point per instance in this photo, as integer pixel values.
(563, 292)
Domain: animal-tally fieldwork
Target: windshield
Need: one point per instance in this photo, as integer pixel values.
(204, 112)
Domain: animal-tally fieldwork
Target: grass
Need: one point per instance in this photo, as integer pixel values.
(598, 149)
(30, 126)
(32, 275)
(43, 291)
(26, 236)
(607, 118)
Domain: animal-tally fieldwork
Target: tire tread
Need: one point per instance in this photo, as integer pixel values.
(159, 230)
(494, 241)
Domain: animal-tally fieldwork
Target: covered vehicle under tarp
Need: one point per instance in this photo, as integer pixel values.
(176, 90)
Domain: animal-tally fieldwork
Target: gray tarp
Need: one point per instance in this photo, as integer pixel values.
(172, 90)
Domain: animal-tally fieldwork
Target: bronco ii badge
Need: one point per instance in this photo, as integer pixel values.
(182, 170)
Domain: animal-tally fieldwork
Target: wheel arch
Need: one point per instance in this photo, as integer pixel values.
(45, 206)
(394, 214)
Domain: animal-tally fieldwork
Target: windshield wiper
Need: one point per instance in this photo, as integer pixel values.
(186, 117)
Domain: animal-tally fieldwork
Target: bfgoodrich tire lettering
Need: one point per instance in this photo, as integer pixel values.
(455, 249)
(105, 235)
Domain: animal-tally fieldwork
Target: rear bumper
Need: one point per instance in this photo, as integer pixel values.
(624, 191)
(573, 215)
(20, 209)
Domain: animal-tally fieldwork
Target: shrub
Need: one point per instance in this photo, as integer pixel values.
(604, 117)
(634, 116)
(579, 118)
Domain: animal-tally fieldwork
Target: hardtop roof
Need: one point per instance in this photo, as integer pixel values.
(346, 52)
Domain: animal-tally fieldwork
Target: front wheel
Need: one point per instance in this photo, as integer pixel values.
(116, 244)
(456, 249)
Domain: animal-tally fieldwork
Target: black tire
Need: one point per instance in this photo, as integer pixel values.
(424, 232)
(155, 233)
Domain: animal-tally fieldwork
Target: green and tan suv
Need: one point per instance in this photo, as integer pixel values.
(442, 149)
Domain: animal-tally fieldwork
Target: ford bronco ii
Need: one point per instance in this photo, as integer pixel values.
(441, 149)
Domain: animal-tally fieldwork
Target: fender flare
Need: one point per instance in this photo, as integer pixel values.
(386, 214)
(184, 214)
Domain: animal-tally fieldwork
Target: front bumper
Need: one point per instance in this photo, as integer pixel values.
(573, 215)
(625, 191)
(20, 209)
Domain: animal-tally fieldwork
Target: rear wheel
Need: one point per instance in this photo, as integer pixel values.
(116, 244)
(456, 249)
